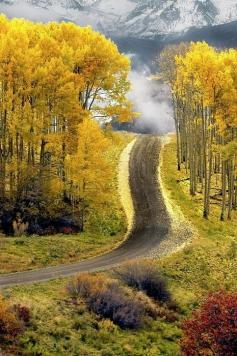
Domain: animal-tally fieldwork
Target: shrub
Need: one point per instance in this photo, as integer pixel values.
(67, 230)
(167, 311)
(109, 300)
(85, 285)
(212, 330)
(151, 308)
(10, 323)
(23, 313)
(107, 325)
(145, 277)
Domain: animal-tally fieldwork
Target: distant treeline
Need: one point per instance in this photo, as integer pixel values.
(203, 83)
(54, 79)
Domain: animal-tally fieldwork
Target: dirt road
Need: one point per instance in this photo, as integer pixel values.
(151, 223)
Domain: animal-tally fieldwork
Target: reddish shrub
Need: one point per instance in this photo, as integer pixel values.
(212, 330)
(23, 313)
(67, 230)
(10, 325)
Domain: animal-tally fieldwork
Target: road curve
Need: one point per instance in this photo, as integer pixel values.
(151, 221)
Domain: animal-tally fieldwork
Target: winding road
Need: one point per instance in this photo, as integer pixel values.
(151, 221)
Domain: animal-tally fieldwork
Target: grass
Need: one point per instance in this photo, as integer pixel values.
(105, 231)
(209, 262)
(18, 254)
(58, 328)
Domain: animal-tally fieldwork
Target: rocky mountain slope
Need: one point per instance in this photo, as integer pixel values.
(128, 18)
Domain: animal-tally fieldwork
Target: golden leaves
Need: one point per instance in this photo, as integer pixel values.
(53, 79)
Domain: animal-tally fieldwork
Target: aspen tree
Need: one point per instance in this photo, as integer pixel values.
(205, 88)
(53, 78)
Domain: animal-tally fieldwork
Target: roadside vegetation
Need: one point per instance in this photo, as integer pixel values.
(103, 231)
(128, 311)
(209, 262)
(14, 320)
(99, 314)
(19, 254)
(199, 169)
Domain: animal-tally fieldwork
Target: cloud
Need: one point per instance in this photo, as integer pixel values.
(152, 100)
(29, 12)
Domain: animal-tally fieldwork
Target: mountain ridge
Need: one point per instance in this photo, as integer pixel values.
(134, 18)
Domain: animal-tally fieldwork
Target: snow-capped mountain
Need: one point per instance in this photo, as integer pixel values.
(128, 18)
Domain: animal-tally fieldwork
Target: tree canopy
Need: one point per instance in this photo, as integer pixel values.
(203, 84)
(54, 79)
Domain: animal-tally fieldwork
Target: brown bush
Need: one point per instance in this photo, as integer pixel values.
(112, 302)
(108, 299)
(85, 285)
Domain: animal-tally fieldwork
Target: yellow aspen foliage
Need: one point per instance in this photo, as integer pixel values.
(88, 170)
(54, 80)
(203, 83)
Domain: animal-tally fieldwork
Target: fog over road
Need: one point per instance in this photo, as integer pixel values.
(151, 221)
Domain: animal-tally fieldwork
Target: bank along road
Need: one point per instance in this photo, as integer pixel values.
(151, 221)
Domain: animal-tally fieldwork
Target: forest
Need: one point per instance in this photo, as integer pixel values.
(108, 241)
(203, 83)
(56, 82)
